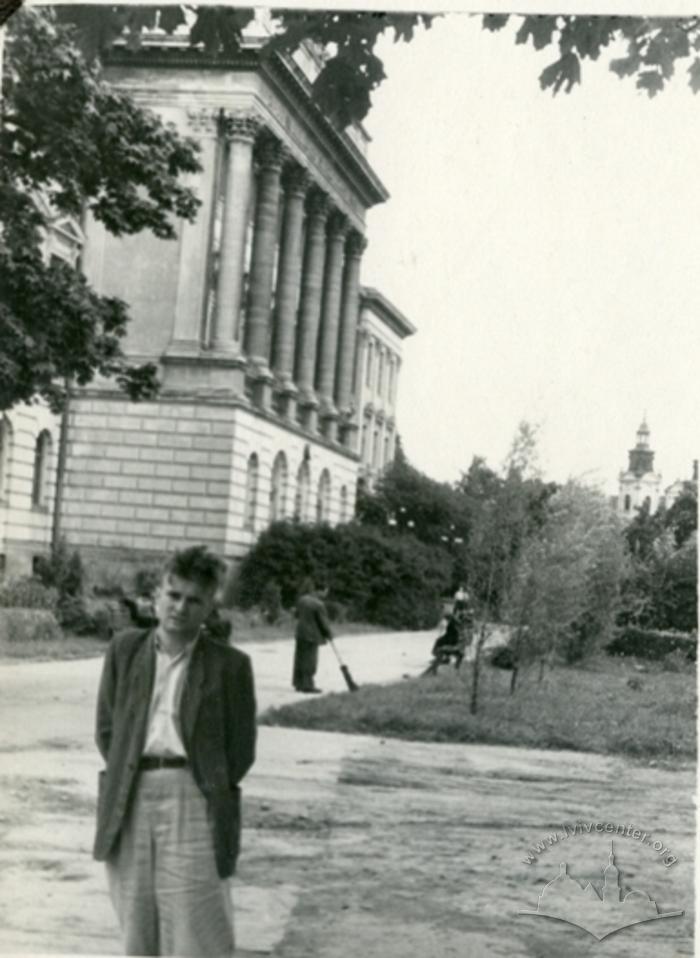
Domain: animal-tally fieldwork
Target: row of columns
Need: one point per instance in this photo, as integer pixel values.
(304, 352)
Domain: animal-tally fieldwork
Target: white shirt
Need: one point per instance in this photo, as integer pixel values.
(163, 735)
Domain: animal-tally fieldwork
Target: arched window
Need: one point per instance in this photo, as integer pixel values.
(251, 492)
(324, 497)
(6, 436)
(278, 487)
(42, 461)
(628, 503)
(343, 503)
(301, 497)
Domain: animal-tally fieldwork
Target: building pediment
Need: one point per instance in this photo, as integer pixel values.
(68, 228)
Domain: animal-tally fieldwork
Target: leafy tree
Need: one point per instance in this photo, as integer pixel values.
(682, 516)
(348, 75)
(503, 510)
(643, 530)
(409, 501)
(68, 137)
(566, 587)
(351, 70)
(660, 591)
(500, 524)
(653, 46)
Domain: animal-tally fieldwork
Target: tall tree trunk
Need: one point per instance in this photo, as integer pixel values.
(513, 678)
(542, 661)
(476, 668)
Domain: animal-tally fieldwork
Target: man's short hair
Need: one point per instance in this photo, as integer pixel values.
(196, 564)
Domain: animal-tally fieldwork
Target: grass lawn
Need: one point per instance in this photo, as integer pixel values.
(247, 627)
(606, 706)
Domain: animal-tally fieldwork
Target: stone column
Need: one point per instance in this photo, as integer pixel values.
(330, 318)
(270, 156)
(240, 131)
(347, 337)
(192, 270)
(296, 182)
(310, 305)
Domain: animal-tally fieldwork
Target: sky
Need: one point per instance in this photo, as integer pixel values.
(547, 249)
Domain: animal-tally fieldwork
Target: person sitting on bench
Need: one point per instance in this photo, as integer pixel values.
(451, 644)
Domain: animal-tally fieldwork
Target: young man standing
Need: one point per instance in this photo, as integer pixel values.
(176, 727)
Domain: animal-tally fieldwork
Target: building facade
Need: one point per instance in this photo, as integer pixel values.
(382, 329)
(255, 318)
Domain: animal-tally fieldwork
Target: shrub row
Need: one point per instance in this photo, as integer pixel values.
(652, 644)
(33, 624)
(374, 577)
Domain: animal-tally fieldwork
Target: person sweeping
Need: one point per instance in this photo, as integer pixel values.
(313, 630)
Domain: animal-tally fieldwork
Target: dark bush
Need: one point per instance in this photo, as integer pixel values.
(147, 580)
(61, 570)
(650, 644)
(386, 580)
(271, 602)
(27, 593)
(28, 625)
(502, 658)
(103, 623)
(73, 615)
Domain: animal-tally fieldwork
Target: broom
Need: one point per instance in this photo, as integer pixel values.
(349, 681)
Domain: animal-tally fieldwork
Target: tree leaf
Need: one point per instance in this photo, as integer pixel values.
(651, 81)
(494, 21)
(694, 73)
(626, 66)
(538, 28)
(564, 72)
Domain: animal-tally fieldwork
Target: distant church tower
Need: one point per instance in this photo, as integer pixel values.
(639, 483)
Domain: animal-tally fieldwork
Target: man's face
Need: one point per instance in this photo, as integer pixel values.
(182, 606)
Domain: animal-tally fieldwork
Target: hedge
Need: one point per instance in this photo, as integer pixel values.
(28, 625)
(377, 578)
(652, 644)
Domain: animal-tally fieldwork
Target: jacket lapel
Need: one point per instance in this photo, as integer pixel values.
(142, 676)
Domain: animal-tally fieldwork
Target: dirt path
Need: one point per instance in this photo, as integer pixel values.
(353, 846)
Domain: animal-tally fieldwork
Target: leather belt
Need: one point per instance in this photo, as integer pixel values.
(149, 763)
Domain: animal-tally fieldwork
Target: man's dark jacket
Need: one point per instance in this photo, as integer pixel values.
(217, 716)
(312, 620)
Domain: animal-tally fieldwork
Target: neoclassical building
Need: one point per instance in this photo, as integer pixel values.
(278, 372)
(382, 330)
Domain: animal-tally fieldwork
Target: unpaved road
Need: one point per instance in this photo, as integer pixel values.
(353, 846)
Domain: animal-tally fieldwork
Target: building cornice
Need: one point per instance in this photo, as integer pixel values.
(390, 314)
(288, 81)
